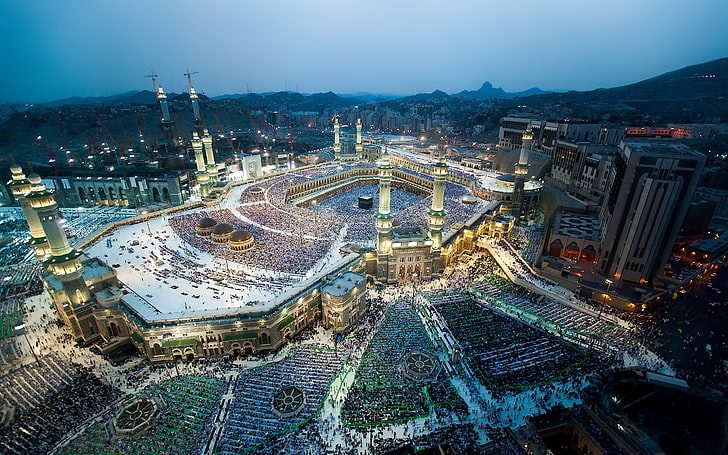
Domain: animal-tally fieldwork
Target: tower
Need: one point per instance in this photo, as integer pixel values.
(162, 98)
(521, 173)
(166, 124)
(20, 187)
(337, 142)
(194, 99)
(202, 178)
(64, 262)
(359, 147)
(652, 184)
(384, 216)
(209, 156)
(436, 214)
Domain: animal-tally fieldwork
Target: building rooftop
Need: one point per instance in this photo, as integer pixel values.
(343, 284)
(660, 147)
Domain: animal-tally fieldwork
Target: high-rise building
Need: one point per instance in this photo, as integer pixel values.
(652, 183)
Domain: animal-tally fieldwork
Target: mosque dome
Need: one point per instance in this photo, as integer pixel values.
(241, 240)
(221, 233)
(206, 223)
(222, 229)
(34, 179)
(204, 226)
(256, 190)
(240, 236)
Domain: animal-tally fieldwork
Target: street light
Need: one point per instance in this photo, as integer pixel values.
(25, 333)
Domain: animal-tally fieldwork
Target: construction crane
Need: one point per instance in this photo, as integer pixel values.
(189, 77)
(154, 81)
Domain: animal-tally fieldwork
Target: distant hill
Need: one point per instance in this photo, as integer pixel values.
(294, 100)
(487, 92)
(705, 80)
(371, 97)
(132, 97)
(696, 93)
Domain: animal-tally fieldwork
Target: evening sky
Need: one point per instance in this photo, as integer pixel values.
(60, 48)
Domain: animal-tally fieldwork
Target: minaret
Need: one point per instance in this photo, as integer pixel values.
(167, 123)
(195, 105)
(64, 261)
(197, 120)
(20, 187)
(209, 156)
(384, 216)
(202, 178)
(436, 214)
(359, 147)
(521, 173)
(337, 142)
(162, 98)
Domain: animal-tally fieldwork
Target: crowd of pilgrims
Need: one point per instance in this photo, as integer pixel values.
(51, 397)
(528, 241)
(250, 421)
(340, 211)
(381, 392)
(13, 240)
(82, 224)
(275, 251)
(184, 263)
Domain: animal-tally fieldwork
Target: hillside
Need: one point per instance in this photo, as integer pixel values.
(697, 93)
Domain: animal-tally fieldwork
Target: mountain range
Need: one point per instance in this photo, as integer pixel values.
(696, 88)
(485, 92)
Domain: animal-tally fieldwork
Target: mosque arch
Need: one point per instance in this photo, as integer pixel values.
(155, 195)
(82, 194)
(555, 248)
(264, 338)
(165, 194)
(571, 252)
(235, 350)
(588, 254)
(157, 349)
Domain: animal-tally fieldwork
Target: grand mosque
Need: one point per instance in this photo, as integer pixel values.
(91, 297)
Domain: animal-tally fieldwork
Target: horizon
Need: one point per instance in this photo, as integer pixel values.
(104, 49)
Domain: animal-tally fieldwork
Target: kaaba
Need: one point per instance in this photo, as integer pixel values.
(365, 202)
